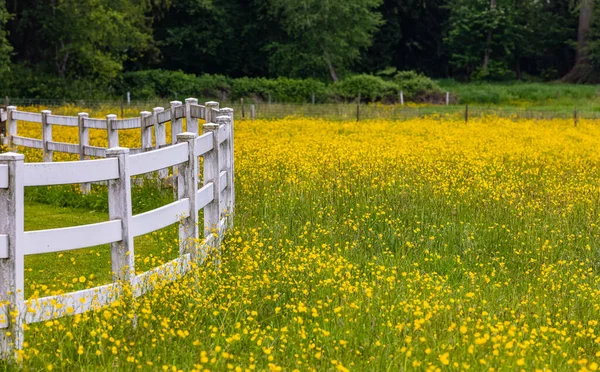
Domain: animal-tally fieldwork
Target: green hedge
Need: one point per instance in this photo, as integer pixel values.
(150, 84)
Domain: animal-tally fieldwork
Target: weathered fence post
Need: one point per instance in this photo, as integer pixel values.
(575, 118)
(146, 128)
(210, 106)
(466, 114)
(447, 98)
(402, 98)
(191, 124)
(176, 123)
(160, 136)
(46, 136)
(160, 133)
(243, 112)
(187, 187)
(84, 140)
(113, 134)
(212, 212)
(12, 270)
(230, 166)
(252, 112)
(119, 208)
(11, 125)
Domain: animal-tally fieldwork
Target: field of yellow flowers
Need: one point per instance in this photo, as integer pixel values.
(427, 244)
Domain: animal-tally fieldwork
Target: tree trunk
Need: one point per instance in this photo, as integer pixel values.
(486, 54)
(331, 68)
(583, 72)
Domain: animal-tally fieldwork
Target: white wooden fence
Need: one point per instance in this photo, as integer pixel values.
(215, 197)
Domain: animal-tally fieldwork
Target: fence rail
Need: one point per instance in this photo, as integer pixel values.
(215, 197)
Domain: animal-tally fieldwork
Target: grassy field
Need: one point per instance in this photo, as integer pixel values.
(424, 244)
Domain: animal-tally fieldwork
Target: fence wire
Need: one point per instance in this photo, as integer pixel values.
(332, 111)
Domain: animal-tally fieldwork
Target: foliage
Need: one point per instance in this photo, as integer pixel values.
(429, 240)
(80, 38)
(415, 85)
(372, 88)
(326, 34)
(5, 48)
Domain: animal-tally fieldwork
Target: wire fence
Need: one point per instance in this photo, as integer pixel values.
(331, 111)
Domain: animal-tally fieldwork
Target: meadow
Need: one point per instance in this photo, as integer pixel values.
(424, 244)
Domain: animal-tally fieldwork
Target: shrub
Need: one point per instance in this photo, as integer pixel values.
(371, 88)
(280, 89)
(416, 86)
(173, 84)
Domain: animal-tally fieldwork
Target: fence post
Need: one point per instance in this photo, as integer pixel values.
(447, 98)
(187, 187)
(402, 98)
(466, 114)
(176, 124)
(227, 119)
(212, 212)
(252, 112)
(11, 125)
(313, 98)
(46, 136)
(113, 134)
(145, 117)
(210, 116)
(191, 124)
(119, 208)
(160, 136)
(12, 270)
(243, 112)
(575, 119)
(84, 140)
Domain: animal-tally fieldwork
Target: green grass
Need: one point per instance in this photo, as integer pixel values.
(557, 96)
(93, 263)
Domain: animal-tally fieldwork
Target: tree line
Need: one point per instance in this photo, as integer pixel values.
(98, 40)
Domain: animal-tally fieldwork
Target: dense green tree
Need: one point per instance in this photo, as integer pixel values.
(5, 47)
(323, 34)
(75, 38)
(218, 36)
(411, 38)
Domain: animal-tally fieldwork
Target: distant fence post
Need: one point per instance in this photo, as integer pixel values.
(402, 98)
(210, 106)
(243, 112)
(84, 140)
(160, 136)
(113, 134)
(128, 98)
(11, 125)
(575, 118)
(12, 270)
(447, 98)
(46, 136)
(227, 118)
(466, 113)
(176, 123)
(313, 98)
(191, 124)
(146, 130)
(252, 112)
(187, 187)
(212, 212)
(119, 208)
